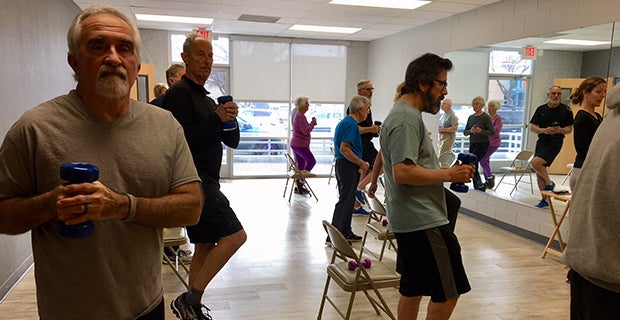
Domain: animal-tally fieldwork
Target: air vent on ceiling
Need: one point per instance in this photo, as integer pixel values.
(253, 18)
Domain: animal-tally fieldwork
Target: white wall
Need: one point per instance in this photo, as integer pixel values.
(33, 60)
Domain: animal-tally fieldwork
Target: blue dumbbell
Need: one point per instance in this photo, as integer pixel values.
(464, 158)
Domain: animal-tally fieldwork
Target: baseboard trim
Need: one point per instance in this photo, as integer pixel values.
(511, 228)
(14, 279)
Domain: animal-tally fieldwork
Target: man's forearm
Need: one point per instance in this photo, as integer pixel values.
(181, 207)
(19, 215)
(416, 175)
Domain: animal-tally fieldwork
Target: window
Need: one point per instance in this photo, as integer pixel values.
(508, 62)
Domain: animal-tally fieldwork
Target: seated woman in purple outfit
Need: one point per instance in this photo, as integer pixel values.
(300, 141)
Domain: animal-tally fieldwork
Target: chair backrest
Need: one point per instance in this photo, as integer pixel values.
(292, 165)
(338, 241)
(522, 159)
(446, 159)
(375, 205)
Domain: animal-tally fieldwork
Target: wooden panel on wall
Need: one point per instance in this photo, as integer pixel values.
(568, 153)
(146, 78)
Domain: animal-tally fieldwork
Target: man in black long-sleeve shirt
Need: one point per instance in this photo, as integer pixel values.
(218, 234)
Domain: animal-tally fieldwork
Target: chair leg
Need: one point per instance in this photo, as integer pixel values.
(323, 298)
(373, 303)
(286, 187)
(305, 183)
(177, 271)
(350, 307)
(500, 181)
(363, 243)
(382, 250)
(290, 193)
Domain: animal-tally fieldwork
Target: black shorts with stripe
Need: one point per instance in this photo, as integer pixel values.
(217, 219)
(430, 264)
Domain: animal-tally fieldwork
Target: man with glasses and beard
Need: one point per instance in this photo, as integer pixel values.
(429, 257)
(147, 181)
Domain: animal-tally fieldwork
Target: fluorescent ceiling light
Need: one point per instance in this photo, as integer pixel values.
(576, 42)
(392, 4)
(177, 19)
(301, 27)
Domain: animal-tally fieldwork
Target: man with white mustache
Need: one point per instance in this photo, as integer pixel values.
(147, 181)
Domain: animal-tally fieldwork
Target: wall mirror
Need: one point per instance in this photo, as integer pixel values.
(520, 78)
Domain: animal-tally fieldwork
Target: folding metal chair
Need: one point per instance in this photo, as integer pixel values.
(375, 226)
(174, 237)
(518, 167)
(377, 276)
(293, 174)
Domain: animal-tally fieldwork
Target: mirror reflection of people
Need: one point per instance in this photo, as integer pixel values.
(448, 125)
(145, 181)
(479, 128)
(594, 242)
(300, 141)
(551, 121)
(588, 97)
(495, 141)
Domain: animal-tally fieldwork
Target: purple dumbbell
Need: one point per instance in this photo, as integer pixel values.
(366, 263)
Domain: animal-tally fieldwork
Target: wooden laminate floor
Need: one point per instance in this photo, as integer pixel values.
(280, 272)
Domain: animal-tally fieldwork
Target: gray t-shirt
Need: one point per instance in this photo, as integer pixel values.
(116, 272)
(404, 136)
(448, 119)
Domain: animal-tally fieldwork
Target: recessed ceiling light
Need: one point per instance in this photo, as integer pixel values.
(576, 42)
(301, 27)
(177, 19)
(392, 4)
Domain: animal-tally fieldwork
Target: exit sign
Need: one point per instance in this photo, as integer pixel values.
(530, 53)
(203, 32)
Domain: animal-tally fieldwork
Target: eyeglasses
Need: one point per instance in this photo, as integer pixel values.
(369, 89)
(444, 84)
(555, 93)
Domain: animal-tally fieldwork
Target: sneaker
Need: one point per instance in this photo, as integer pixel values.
(202, 312)
(360, 197)
(550, 187)
(183, 310)
(353, 238)
(360, 212)
(490, 183)
(163, 261)
(185, 256)
(543, 203)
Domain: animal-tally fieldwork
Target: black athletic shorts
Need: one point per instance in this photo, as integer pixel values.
(548, 149)
(430, 264)
(217, 218)
(369, 152)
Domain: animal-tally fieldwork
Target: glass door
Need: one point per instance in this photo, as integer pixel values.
(512, 92)
(218, 85)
